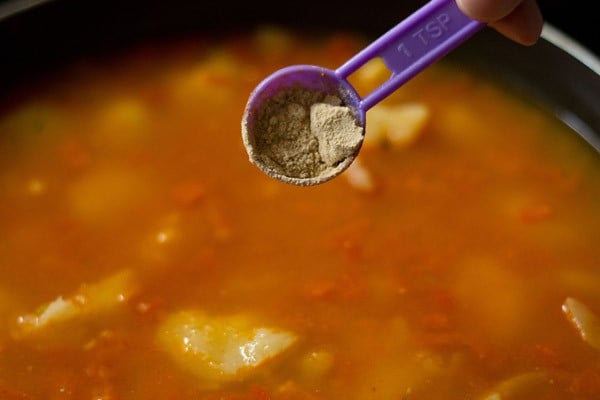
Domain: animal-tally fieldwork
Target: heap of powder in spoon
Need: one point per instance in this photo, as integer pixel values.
(303, 133)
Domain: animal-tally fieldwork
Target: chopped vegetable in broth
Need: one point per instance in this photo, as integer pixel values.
(144, 257)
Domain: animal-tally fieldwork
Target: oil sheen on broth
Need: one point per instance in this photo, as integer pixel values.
(143, 256)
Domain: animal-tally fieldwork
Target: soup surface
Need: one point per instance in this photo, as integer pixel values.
(143, 257)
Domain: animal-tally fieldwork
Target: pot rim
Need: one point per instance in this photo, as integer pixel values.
(550, 33)
(14, 7)
(571, 46)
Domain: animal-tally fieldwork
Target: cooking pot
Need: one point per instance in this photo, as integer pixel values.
(37, 37)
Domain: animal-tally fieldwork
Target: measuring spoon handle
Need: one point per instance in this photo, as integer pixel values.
(415, 43)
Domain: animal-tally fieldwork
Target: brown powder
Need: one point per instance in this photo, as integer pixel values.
(303, 133)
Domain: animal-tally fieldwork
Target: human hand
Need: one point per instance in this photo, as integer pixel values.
(518, 20)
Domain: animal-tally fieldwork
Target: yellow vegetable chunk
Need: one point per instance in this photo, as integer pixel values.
(122, 123)
(522, 386)
(106, 194)
(493, 295)
(316, 365)
(359, 177)
(585, 321)
(398, 125)
(89, 299)
(220, 349)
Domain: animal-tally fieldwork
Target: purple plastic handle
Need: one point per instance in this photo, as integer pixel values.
(408, 48)
(415, 43)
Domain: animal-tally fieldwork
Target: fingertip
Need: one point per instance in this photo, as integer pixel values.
(524, 25)
(487, 11)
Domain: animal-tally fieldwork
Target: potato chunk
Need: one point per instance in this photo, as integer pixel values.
(398, 125)
(122, 124)
(494, 296)
(220, 349)
(359, 177)
(522, 386)
(107, 194)
(91, 299)
(584, 320)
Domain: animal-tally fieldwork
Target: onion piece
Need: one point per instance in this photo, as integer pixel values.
(518, 386)
(90, 299)
(585, 321)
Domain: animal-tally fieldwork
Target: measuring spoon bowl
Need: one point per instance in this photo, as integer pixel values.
(307, 77)
(408, 48)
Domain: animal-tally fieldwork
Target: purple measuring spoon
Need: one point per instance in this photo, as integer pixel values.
(415, 43)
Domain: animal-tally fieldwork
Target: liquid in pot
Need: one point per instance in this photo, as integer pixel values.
(144, 257)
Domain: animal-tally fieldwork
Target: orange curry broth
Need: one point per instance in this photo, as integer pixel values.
(127, 197)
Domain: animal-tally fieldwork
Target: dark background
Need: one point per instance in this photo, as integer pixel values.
(70, 22)
(36, 41)
(578, 19)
